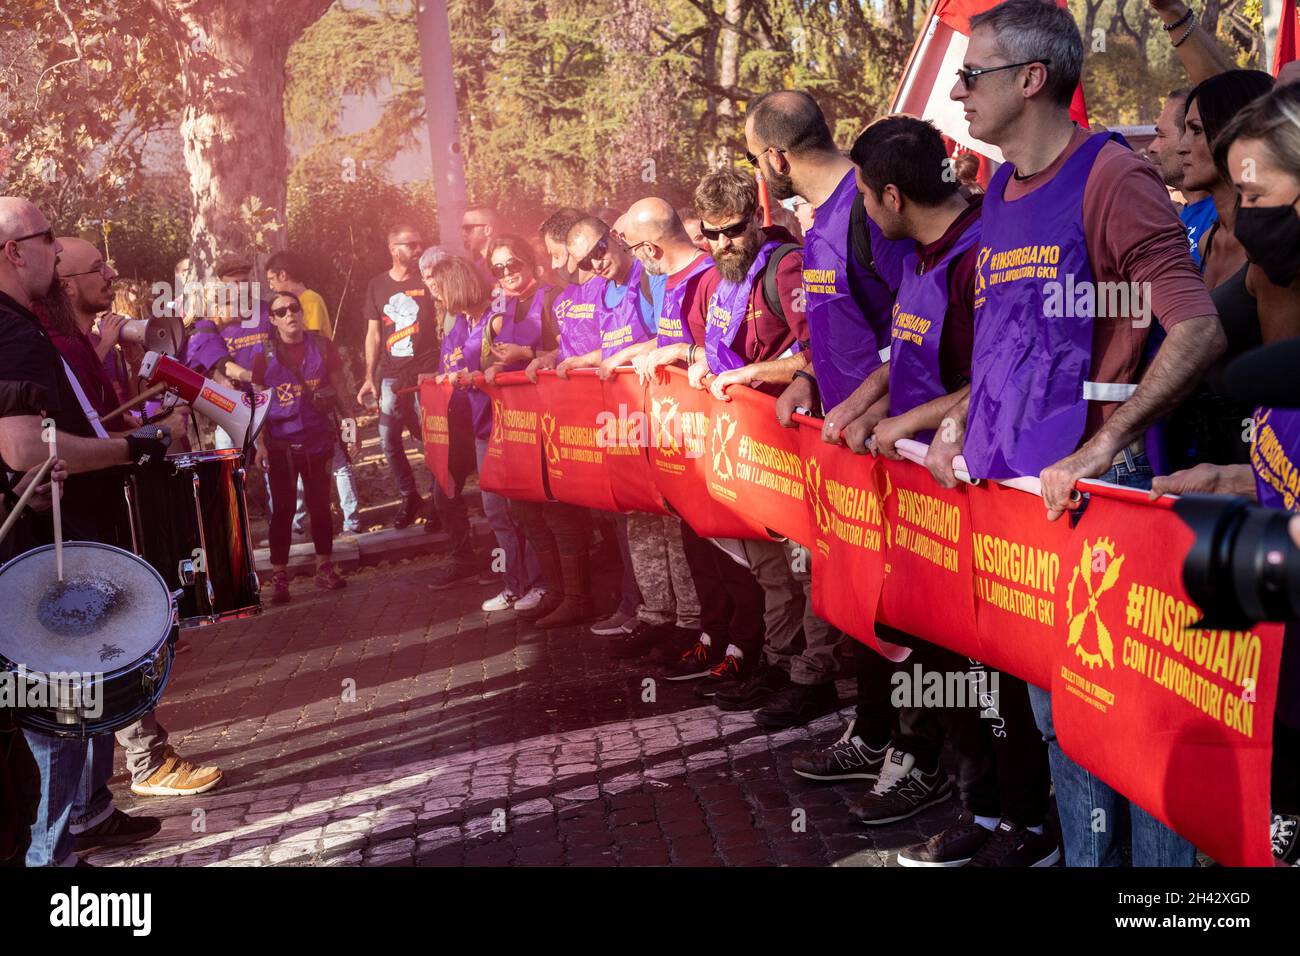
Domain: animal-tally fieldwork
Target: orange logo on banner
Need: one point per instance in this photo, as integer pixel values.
(548, 438)
(1102, 552)
(812, 476)
(498, 417)
(724, 429)
(664, 413)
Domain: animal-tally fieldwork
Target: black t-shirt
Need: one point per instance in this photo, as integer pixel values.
(93, 505)
(408, 338)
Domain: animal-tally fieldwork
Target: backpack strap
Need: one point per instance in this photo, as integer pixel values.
(860, 235)
(771, 295)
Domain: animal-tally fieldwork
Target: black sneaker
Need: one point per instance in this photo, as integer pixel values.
(411, 508)
(118, 829)
(763, 683)
(674, 645)
(796, 705)
(732, 670)
(432, 520)
(696, 661)
(452, 573)
(640, 639)
(902, 790)
(1285, 836)
(955, 846)
(848, 758)
(1011, 845)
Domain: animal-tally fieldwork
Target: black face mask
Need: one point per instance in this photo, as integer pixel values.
(1271, 237)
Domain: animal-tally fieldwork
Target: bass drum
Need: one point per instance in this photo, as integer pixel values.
(190, 521)
(110, 666)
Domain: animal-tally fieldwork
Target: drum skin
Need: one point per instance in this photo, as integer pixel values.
(125, 653)
(196, 505)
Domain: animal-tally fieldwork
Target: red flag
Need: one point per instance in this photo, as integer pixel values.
(435, 427)
(1285, 51)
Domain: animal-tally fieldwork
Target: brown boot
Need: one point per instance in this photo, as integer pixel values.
(577, 605)
(552, 580)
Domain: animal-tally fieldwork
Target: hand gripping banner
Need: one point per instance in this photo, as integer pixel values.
(513, 464)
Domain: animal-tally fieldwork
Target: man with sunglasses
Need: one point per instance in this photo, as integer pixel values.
(401, 342)
(478, 227)
(1061, 397)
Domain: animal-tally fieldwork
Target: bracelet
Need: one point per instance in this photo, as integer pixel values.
(690, 354)
(1169, 27)
(1188, 32)
(812, 381)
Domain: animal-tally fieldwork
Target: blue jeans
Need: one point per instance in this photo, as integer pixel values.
(521, 571)
(346, 482)
(398, 413)
(1092, 838)
(74, 793)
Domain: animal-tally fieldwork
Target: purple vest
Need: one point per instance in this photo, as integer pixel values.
(453, 346)
(849, 338)
(726, 313)
(672, 324)
(1275, 457)
(292, 418)
(205, 346)
(245, 341)
(523, 329)
(575, 317)
(621, 325)
(922, 304)
(479, 403)
(1029, 364)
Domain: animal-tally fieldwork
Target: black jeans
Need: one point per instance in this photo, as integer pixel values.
(731, 600)
(554, 526)
(288, 463)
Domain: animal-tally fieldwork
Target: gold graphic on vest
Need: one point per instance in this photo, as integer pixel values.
(1087, 618)
(724, 429)
(812, 476)
(981, 269)
(285, 393)
(548, 440)
(663, 412)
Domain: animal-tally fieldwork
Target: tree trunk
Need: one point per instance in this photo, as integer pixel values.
(728, 79)
(233, 55)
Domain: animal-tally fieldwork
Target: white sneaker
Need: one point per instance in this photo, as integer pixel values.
(530, 600)
(502, 602)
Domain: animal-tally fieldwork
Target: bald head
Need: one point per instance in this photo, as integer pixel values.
(87, 279)
(658, 236)
(28, 251)
(789, 120)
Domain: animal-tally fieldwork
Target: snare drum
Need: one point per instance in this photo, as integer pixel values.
(106, 674)
(190, 521)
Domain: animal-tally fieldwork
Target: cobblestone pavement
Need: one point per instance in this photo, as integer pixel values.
(389, 723)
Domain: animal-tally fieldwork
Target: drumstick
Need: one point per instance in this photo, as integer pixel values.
(144, 396)
(40, 476)
(58, 511)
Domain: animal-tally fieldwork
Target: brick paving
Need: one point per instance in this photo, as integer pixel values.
(392, 724)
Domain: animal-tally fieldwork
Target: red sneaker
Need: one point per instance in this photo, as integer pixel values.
(327, 579)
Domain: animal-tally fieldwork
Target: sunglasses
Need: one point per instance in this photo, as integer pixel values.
(597, 252)
(753, 160)
(734, 231)
(967, 77)
(46, 234)
(293, 308)
(511, 266)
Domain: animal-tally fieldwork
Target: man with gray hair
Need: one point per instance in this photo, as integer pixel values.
(1061, 396)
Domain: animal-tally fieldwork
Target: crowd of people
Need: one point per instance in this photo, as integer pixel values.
(1206, 226)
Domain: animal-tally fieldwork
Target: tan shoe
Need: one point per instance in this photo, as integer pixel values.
(178, 777)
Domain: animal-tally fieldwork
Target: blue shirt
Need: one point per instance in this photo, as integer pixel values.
(1197, 218)
(649, 310)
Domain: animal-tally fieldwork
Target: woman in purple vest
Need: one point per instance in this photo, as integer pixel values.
(301, 370)
(1260, 150)
(467, 347)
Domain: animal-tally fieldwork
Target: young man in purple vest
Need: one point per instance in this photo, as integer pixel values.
(749, 340)
(1056, 389)
(1002, 775)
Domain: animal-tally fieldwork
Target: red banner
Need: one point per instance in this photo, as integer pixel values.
(627, 433)
(681, 426)
(1180, 721)
(847, 537)
(572, 441)
(512, 466)
(435, 430)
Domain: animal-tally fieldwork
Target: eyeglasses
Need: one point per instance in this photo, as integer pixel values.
(597, 252)
(967, 77)
(633, 249)
(753, 160)
(46, 234)
(293, 308)
(734, 231)
(101, 269)
(511, 266)
(471, 226)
